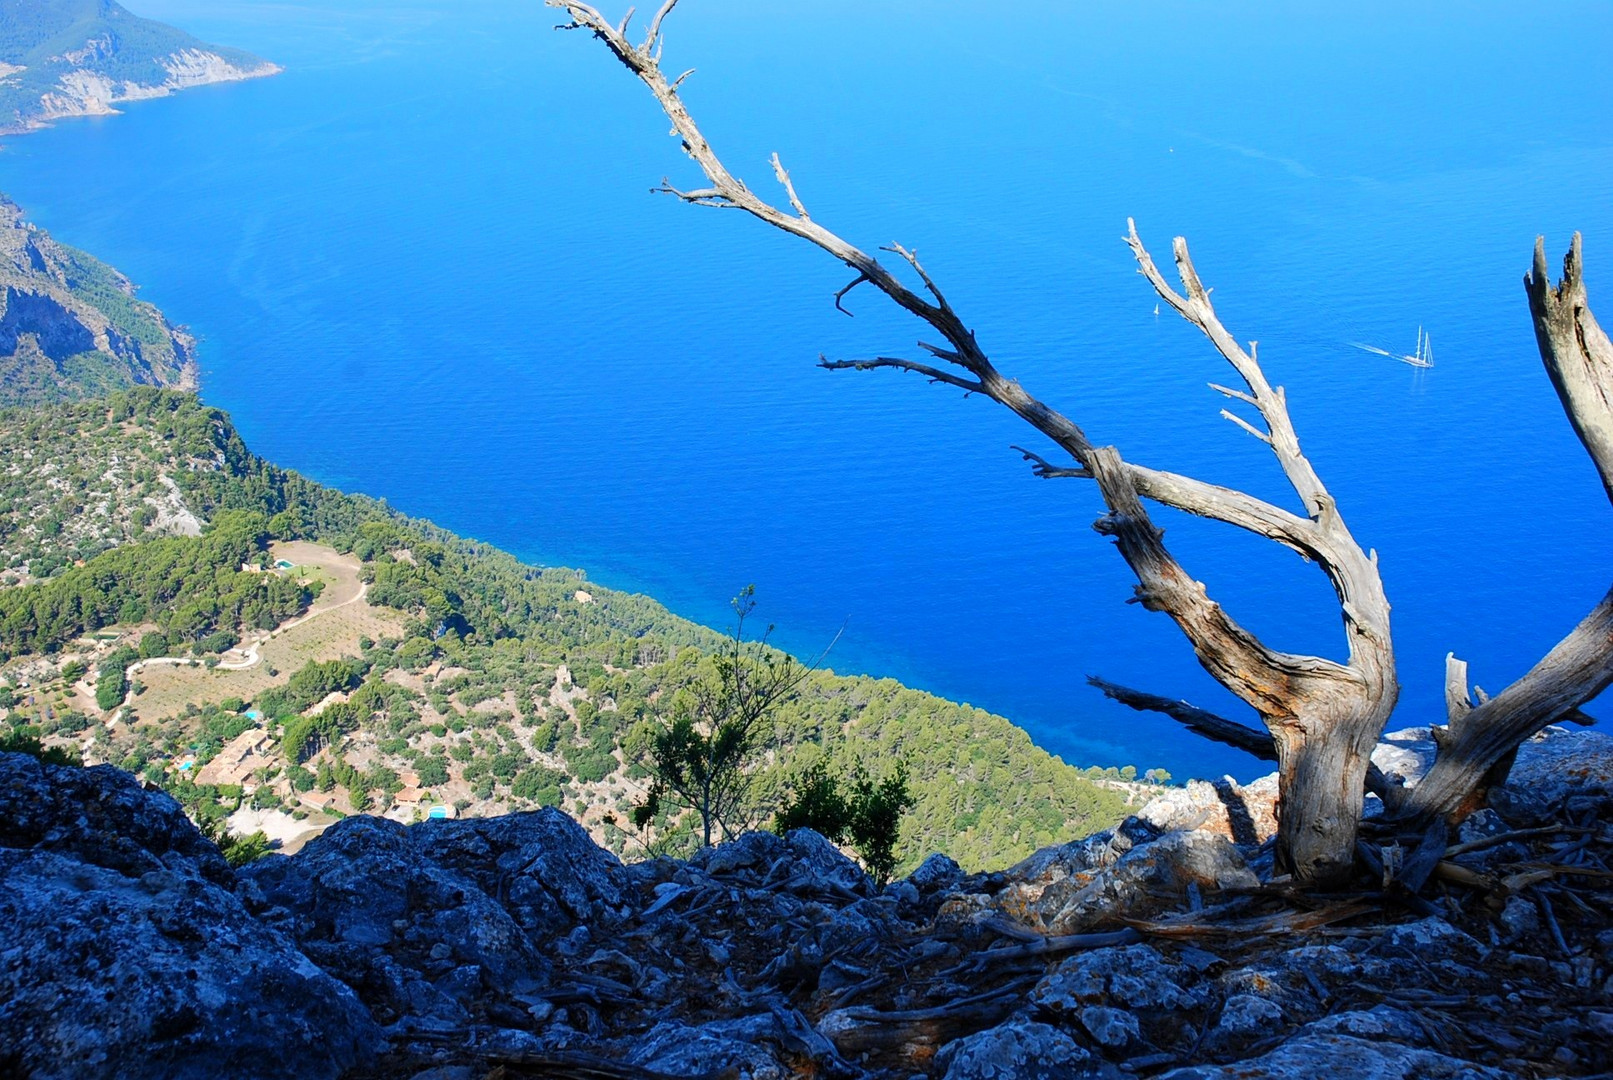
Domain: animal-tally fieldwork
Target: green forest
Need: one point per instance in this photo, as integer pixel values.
(984, 793)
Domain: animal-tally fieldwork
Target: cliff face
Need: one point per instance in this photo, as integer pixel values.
(62, 58)
(514, 946)
(71, 326)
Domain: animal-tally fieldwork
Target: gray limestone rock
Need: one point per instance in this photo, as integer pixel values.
(1378, 1022)
(1554, 766)
(1426, 937)
(161, 975)
(544, 867)
(818, 861)
(1245, 1016)
(753, 851)
(1139, 881)
(102, 817)
(1113, 1029)
(1126, 977)
(1017, 1050)
(1307, 1056)
(935, 872)
(1520, 917)
(371, 903)
(1243, 813)
(742, 1048)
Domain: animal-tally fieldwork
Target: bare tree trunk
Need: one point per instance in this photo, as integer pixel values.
(1322, 764)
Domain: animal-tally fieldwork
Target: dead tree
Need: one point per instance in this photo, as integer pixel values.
(1477, 745)
(1321, 717)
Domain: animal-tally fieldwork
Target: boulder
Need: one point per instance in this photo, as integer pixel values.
(936, 872)
(1562, 763)
(1112, 1029)
(102, 817)
(1302, 1057)
(125, 954)
(371, 903)
(1245, 1018)
(819, 862)
(543, 867)
(1378, 1022)
(1129, 977)
(1243, 813)
(1146, 877)
(1551, 768)
(1020, 1049)
(758, 851)
(729, 1047)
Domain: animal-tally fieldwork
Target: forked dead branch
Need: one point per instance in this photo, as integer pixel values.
(1321, 717)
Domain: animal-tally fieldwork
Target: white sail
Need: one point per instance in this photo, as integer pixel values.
(1423, 357)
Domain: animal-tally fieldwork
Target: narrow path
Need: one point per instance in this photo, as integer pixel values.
(253, 656)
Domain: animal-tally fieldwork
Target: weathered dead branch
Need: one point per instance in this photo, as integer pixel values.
(1475, 749)
(1323, 716)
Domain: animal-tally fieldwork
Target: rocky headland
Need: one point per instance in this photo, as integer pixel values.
(514, 946)
(66, 58)
(72, 327)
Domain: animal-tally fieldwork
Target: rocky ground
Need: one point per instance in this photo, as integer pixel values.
(515, 947)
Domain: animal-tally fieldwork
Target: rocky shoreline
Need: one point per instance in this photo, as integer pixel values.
(450, 950)
(83, 92)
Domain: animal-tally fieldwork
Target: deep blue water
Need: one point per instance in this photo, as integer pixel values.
(424, 264)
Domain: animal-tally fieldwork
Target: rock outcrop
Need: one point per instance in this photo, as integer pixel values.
(447, 949)
(127, 954)
(71, 327)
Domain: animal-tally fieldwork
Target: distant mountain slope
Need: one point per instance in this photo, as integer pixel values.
(81, 57)
(71, 327)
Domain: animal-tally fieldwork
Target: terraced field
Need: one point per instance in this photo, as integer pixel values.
(331, 629)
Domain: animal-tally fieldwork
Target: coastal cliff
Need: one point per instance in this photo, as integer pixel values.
(71, 327)
(65, 58)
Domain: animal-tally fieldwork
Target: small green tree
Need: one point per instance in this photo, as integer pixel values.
(237, 850)
(817, 804)
(25, 740)
(701, 760)
(864, 812)
(111, 689)
(876, 817)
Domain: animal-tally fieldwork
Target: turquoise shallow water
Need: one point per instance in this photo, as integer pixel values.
(424, 264)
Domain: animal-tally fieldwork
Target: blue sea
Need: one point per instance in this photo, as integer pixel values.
(425, 263)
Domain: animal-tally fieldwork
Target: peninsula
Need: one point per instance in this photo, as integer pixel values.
(62, 58)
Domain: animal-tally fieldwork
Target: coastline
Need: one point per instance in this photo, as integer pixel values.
(85, 93)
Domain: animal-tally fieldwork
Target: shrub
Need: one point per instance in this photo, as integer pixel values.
(542, 786)
(867, 813)
(25, 740)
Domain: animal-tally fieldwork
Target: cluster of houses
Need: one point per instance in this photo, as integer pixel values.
(240, 761)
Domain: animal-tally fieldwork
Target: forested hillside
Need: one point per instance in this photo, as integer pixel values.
(71, 326)
(500, 685)
(80, 57)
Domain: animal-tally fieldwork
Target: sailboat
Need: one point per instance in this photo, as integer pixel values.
(1422, 358)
